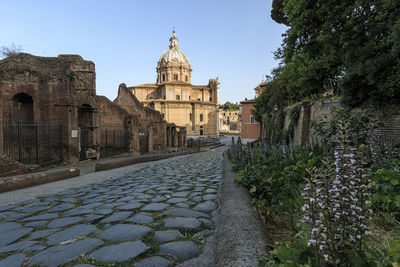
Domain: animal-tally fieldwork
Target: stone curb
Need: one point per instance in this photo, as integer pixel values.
(26, 180)
(240, 235)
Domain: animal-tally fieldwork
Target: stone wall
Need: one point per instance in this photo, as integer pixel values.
(62, 89)
(322, 110)
(57, 87)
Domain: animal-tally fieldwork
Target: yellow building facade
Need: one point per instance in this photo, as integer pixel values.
(192, 106)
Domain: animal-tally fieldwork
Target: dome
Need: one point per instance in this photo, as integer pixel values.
(173, 54)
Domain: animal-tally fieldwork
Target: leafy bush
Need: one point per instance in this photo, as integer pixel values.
(386, 190)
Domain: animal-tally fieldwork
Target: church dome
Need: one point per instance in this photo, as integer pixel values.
(173, 65)
(173, 54)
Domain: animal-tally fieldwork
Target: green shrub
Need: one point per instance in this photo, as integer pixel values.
(386, 190)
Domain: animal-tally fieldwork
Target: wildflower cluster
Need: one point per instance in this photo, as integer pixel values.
(337, 203)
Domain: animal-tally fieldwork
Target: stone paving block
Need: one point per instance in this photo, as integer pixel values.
(210, 196)
(34, 248)
(13, 235)
(116, 217)
(112, 205)
(154, 207)
(4, 208)
(36, 209)
(55, 256)
(208, 223)
(158, 199)
(130, 206)
(59, 223)
(181, 222)
(141, 218)
(168, 235)
(71, 233)
(176, 200)
(41, 217)
(182, 250)
(15, 260)
(180, 194)
(182, 205)
(13, 216)
(183, 212)
(204, 233)
(127, 198)
(21, 245)
(103, 211)
(36, 224)
(206, 206)
(155, 261)
(7, 226)
(92, 218)
(60, 207)
(121, 252)
(124, 232)
(197, 199)
(210, 190)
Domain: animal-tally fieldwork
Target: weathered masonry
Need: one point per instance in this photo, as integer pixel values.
(50, 112)
(173, 95)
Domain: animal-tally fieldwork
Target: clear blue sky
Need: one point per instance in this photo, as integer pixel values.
(231, 39)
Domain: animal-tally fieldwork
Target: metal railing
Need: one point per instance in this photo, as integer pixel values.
(33, 142)
(202, 141)
(114, 141)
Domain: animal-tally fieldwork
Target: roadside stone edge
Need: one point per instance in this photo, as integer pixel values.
(27, 180)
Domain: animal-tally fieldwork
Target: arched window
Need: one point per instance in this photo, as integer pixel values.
(22, 108)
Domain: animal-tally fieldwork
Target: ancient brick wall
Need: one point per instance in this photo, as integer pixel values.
(57, 87)
(322, 110)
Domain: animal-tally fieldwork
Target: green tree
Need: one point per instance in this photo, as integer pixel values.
(350, 48)
(229, 106)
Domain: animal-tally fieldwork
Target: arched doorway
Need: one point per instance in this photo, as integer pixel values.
(85, 124)
(22, 108)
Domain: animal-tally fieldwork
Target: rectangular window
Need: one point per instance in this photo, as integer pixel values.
(163, 115)
(175, 77)
(190, 117)
(178, 97)
(252, 119)
(163, 77)
(186, 78)
(201, 117)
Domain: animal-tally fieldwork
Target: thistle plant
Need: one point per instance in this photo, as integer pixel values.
(337, 203)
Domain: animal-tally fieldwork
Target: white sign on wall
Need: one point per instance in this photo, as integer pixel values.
(74, 133)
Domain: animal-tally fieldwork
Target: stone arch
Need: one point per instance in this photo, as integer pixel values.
(22, 108)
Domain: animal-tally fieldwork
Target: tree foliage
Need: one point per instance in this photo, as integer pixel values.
(349, 48)
(229, 106)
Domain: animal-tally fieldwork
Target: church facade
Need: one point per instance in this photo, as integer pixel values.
(173, 95)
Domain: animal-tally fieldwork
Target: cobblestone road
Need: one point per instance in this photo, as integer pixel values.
(157, 216)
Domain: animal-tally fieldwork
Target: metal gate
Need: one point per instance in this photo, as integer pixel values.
(114, 141)
(33, 142)
(84, 143)
(144, 143)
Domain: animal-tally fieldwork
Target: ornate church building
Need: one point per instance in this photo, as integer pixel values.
(192, 106)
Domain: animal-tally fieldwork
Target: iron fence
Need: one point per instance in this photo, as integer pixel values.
(202, 141)
(33, 142)
(114, 141)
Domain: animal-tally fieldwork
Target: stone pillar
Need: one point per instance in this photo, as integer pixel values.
(175, 136)
(151, 138)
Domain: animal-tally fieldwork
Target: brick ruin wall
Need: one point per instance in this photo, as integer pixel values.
(305, 135)
(60, 88)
